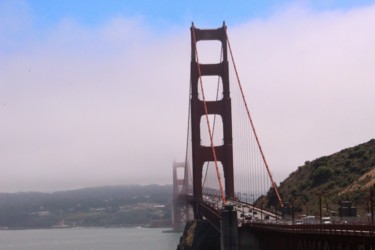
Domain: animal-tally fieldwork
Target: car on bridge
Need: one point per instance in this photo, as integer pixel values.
(326, 220)
(309, 220)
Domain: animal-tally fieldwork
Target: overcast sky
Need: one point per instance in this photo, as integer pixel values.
(96, 92)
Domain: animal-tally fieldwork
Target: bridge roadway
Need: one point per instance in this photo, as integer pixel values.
(211, 206)
(246, 213)
(270, 231)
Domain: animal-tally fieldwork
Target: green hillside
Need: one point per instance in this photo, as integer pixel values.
(345, 175)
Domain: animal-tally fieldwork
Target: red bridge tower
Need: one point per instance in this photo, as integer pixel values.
(222, 107)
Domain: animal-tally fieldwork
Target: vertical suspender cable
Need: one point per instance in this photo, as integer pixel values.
(252, 125)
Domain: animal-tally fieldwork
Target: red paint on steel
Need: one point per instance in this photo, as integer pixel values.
(200, 153)
(208, 121)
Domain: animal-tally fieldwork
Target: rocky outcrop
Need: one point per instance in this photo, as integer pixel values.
(199, 235)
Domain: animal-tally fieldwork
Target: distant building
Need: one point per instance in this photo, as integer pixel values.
(43, 213)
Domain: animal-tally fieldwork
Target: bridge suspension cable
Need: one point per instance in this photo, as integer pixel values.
(252, 124)
(208, 122)
(187, 177)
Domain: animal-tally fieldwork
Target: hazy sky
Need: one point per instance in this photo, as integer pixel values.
(96, 92)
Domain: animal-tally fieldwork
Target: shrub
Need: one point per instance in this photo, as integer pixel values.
(321, 161)
(357, 153)
(321, 175)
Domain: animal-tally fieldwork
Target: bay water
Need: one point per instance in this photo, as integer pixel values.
(89, 239)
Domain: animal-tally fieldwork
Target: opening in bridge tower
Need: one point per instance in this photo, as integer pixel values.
(201, 109)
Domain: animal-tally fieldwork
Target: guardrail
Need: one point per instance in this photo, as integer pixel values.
(367, 230)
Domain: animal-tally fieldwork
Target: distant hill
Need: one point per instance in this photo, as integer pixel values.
(345, 175)
(97, 206)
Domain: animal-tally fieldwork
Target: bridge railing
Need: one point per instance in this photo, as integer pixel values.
(333, 229)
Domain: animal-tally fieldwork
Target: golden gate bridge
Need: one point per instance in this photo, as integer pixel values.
(225, 175)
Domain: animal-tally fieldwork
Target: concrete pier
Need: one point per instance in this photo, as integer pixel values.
(229, 229)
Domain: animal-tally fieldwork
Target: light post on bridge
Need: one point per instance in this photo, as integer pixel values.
(240, 199)
(252, 203)
(245, 197)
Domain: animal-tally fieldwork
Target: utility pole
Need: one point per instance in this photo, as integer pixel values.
(320, 208)
(320, 205)
(292, 211)
(372, 204)
(307, 210)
